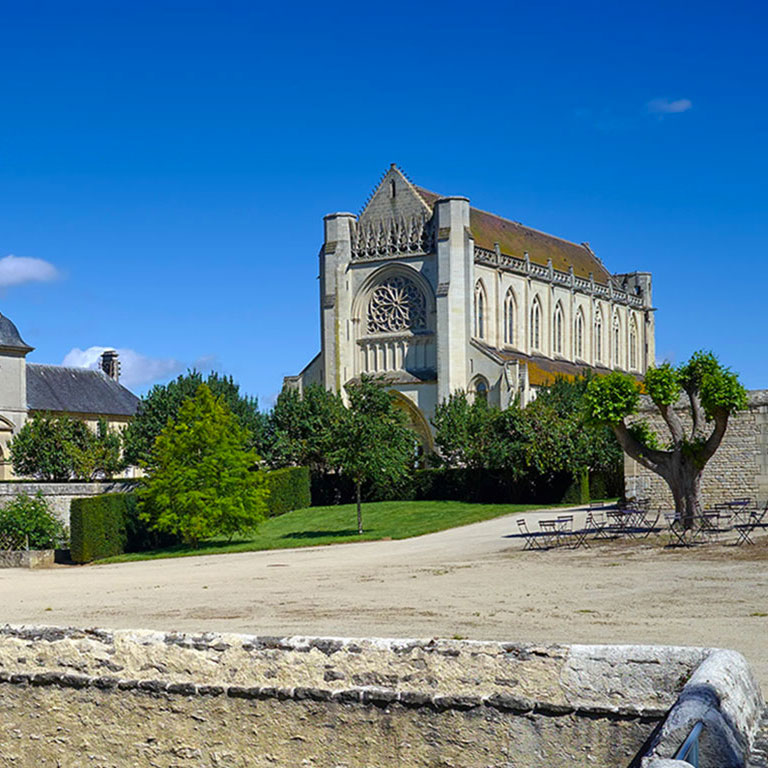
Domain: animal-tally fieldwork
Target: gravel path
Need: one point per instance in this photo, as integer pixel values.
(472, 582)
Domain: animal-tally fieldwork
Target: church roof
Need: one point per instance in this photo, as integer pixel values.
(10, 338)
(515, 239)
(77, 390)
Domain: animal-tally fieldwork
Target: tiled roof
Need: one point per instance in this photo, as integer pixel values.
(514, 239)
(77, 390)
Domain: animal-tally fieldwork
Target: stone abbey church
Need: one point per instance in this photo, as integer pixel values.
(438, 296)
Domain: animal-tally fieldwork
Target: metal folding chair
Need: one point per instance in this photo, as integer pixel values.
(676, 530)
(531, 538)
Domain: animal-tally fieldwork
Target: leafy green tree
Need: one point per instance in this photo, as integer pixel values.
(29, 520)
(301, 428)
(372, 443)
(164, 401)
(201, 479)
(560, 437)
(714, 393)
(478, 436)
(62, 448)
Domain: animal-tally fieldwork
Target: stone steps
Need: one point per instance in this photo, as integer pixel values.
(759, 756)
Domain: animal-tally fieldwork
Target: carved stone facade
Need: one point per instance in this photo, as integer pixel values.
(439, 296)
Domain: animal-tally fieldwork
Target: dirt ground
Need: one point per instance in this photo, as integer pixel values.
(472, 582)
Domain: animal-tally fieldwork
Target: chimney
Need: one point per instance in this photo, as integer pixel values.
(110, 364)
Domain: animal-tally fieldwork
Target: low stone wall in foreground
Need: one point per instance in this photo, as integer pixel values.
(71, 698)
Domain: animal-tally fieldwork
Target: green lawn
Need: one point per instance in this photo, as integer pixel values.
(333, 525)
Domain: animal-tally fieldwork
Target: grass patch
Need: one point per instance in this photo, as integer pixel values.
(315, 526)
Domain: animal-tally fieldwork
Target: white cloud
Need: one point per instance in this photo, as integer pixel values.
(136, 369)
(668, 106)
(15, 270)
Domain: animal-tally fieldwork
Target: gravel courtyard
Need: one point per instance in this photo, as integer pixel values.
(473, 582)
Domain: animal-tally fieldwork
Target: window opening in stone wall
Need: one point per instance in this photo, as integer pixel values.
(616, 341)
(480, 389)
(598, 337)
(509, 318)
(479, 311)
(558, 330)
(579, 335)
(536, 324)
(633, 344)
(397, 304)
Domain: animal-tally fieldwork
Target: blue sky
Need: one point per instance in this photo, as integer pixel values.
(169, 164)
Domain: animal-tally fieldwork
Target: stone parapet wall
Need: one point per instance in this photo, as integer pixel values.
(738, 469)
(60, 495)
(148, 698)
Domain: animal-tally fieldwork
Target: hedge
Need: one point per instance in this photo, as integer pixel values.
(97, 526)
(476, 486)
(288, 490)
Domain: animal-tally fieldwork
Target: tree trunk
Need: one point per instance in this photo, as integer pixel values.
(359, 508)
(685, 484)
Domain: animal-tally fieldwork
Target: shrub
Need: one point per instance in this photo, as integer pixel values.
(288, 490)
(97, 526)
(29, 520)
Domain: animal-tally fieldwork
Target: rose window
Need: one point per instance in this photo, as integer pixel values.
(397, 305)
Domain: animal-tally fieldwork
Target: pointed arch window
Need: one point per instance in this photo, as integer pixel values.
(536, 324)
(510, 309)
(479, 389)
(558, 342)
(616, 331)
(599, 337)
(578, 335)
(481, 304)
(633, 344)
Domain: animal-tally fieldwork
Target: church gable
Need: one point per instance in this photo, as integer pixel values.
(394, 221)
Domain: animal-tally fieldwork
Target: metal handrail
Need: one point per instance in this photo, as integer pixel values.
(689, 751)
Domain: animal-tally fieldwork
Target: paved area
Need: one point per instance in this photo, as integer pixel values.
(472, 582)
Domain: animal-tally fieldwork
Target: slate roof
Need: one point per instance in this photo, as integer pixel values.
(10, 338)
(77, 390)
(514, 239)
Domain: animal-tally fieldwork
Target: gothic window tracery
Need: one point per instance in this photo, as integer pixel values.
(480, 310)
(598, 337)
(557, 330)
(579, 335)
(397, 304)
(536, 324)
(510, 309)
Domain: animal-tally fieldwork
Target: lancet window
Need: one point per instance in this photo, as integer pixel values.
(578, 335)
(480, 310)
(510, 309)
(557, 330)
(536, 324)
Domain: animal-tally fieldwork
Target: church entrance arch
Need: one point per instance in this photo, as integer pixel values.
(416, 422)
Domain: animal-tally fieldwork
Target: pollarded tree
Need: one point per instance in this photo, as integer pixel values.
(201, 478)
(714, 393)
(372, 443)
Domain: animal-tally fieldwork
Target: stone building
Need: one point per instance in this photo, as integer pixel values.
(439, 296)
(29, 388)
(739, 468)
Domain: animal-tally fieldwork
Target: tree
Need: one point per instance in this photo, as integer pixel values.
(300, 428)
(201, 479)
(714, 393)
(560, 437)
(164, 401)
(371, 440)
(62, 448)
(478, 436)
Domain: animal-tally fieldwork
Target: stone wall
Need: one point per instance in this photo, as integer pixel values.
(59, 495)
(70, 697)
(738, 469)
